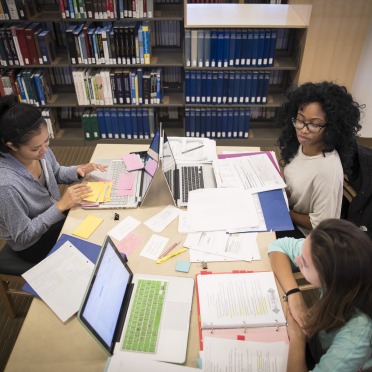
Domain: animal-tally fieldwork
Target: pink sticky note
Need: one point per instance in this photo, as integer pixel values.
(129, 243)
(132, 162)
(125, 181)
(151, 166)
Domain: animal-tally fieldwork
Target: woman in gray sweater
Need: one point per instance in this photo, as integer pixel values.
(32, 211)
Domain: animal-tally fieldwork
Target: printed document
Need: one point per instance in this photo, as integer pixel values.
(255, 173)
(220, 355)
(61, 279)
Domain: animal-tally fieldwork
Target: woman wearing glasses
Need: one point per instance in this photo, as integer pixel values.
(317, 144)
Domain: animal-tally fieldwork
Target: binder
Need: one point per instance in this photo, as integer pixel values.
(268, 324)
(90, 250)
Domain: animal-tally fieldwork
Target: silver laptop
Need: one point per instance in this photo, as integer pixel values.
(184, 178)
(141, 182)
(146, 314)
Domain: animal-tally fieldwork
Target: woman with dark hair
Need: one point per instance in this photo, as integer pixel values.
(337, 257)
(317, 145)
(32, 210)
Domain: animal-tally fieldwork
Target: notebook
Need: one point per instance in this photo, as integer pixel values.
(184, 178)
(141, 179)
(115, 300)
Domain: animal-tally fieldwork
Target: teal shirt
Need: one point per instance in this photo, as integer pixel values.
(347, 349)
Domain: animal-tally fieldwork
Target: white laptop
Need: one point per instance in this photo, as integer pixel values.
(116, 309)
(141, 182)
(184, 178)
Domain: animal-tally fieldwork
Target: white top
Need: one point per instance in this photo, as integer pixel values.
(315, 186)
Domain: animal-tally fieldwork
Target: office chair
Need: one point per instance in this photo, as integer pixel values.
(11, 269)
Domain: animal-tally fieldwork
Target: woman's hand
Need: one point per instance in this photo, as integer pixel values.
(74, 194)
(85, 169)
(295, 332)
(297, 307)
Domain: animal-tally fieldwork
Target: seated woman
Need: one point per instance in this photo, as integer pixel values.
(335, 334)
(32, 211)
(317, 147)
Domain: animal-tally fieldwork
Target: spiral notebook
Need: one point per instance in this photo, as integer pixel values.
(242, 305)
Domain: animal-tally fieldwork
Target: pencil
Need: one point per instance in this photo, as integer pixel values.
(194, 148)
(169, 249)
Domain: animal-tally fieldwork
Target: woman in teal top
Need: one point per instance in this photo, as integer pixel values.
(335, 334)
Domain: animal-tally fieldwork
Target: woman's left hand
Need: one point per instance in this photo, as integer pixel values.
(85, 169)
(295, 332)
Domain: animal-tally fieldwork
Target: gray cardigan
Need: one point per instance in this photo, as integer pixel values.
(27, 209)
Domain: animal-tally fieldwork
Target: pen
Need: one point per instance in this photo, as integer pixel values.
(161, 260)
(169, 249)
(194, 148)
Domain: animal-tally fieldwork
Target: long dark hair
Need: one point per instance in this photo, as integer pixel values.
(342, 255)
(342, 116)
(18, 122)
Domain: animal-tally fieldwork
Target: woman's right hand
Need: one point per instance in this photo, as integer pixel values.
(298, 308)
(74, 194)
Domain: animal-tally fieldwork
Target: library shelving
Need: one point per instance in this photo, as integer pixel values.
(288, 23)
(171, 110)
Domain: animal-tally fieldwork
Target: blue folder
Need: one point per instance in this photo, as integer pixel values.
(90, 250)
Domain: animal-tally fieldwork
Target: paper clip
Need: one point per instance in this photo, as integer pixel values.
(211, 328)
(277, 325)
(245, 327)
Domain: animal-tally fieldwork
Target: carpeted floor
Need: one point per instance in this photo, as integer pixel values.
(9, 328)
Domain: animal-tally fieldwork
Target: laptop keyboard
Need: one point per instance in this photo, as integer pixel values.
(192, 179)
(144, 321)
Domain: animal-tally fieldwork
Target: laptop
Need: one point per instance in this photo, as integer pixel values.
(141, 181)
(184, 178)
(118, 309)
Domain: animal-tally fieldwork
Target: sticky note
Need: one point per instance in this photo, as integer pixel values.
(183, 266)
(86, 228)
(133, 162)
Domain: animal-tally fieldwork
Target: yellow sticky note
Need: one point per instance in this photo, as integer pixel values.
(105, 193)
(97, 188)
(86, 228)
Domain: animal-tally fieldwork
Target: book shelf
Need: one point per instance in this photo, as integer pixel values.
(191, 16)
(287, 62)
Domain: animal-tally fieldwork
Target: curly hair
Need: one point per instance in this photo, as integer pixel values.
(342, 115)
(342, 256)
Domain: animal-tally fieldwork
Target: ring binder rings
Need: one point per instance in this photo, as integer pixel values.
(240, 305)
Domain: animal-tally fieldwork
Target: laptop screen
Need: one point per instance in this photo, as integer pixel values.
(151, 163)
(169, 166)
(104, 299)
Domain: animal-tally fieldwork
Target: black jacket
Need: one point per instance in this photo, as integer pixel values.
(360, 178)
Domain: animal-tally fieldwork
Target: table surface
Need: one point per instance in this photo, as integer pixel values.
(46, 344)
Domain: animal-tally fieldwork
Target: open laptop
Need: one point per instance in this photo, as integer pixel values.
(184, 178)
(141, 182)
(116, 309)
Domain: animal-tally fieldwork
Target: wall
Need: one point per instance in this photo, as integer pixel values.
(337, 48)
(362, 85)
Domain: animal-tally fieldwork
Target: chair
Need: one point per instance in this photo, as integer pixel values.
(11, 269)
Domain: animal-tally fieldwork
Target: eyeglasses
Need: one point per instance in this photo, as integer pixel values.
(312, 128)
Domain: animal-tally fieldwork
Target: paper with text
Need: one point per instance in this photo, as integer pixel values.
(154, 247)
(61, 279)
(162, 219)
(122, 229)
(239, 300)
(237, 246)
(220, 355)
(255, 173)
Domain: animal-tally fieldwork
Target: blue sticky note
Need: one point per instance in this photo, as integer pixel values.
(183, 266)
(199, 362)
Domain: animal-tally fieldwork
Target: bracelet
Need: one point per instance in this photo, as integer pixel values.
(291, 291)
